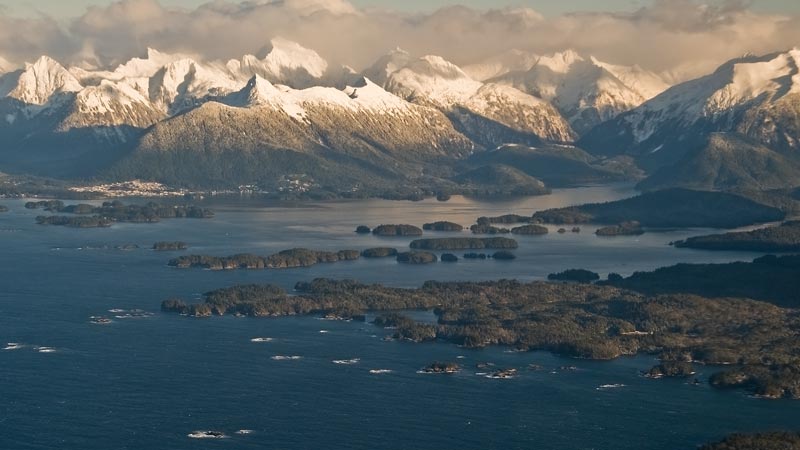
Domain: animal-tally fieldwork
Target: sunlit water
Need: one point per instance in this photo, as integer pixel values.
(148, 382)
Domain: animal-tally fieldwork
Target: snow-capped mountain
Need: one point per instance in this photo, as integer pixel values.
(754, 99)
(358, 136)
(586, 90)
(490, 113)
(286, 62)
(39, 82)
(502, 64)
(174, 116)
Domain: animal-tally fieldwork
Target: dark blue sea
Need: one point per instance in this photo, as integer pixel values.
(148, 382)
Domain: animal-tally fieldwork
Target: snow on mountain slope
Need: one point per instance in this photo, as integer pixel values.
(388, 64)
(365, 96)
(754, 99)
(185, 83)
(286, 62)
(433, 81)
(111, 104)
(39, 82)
(357, 135)
(645, 82)
(507, 62)
(586, 90)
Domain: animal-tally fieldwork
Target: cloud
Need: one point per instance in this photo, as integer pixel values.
(682, 37)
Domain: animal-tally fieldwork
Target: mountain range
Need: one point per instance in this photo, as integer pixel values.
(404, 121)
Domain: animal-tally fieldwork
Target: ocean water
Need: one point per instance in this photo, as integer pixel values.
(148, 382)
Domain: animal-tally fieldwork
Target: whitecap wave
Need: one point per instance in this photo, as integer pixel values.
(347, 362)
(207, 435)
(604, 387)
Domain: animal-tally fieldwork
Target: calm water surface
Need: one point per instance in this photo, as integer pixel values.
(147, 383)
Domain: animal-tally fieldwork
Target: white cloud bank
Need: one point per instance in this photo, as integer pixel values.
(682, 37)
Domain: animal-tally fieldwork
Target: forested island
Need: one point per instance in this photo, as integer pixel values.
(442, 226)
(286, 259)
(670, 208)
(90, 216)
(75, 221)
(488, 229)
(464, 243)
(632, 228)
(530, 230)
(379, 252)
(397, 230)
(575, 275)
(760, 441)
(781, 238)
(592, 321)
(774, 279)
(417, 257)
(170, 246)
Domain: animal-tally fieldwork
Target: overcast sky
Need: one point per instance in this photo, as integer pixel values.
(683, 38)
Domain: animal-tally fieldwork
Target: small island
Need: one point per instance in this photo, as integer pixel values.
(415, 257)
(782, 238)
(449, 257)
(575, 275)
(504, 255)
(488, 229)
(473, 255)
(464, 243)
(90, 216)
(632, 228)
(286, 259)
(505, 219)
(170, 246)
(671, 369)
(74, 222)
(379, 252)
(441, 368)
(363, 229)
(442, 226)
(530, 230)
(397, 230)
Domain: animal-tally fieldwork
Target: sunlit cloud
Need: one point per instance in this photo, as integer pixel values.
(680, 37)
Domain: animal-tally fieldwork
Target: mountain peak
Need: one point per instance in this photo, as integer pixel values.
(436, 66)
(388, 64)
(42, 79)
(286, 56)
(560, 62)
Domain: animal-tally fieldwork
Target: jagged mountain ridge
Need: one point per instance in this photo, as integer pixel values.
(361, 136)
(77, 121)
(54, 114)
(586, 91)
(754, 101)
(488, 113)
